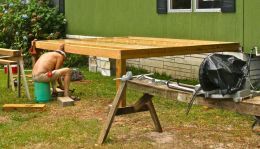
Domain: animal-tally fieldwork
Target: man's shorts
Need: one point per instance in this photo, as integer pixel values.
(43, 77)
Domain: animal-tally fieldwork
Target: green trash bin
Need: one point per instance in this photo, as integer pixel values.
(42, 92)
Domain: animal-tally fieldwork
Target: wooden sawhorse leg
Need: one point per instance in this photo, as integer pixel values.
(10, 76)
(143, 104)
(21, 67)
(19, 81)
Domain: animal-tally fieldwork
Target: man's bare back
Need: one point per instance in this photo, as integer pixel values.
(47, 63)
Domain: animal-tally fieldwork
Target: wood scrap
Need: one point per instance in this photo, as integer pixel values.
(24, 107)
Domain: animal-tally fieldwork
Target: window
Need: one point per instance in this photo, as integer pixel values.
(179, 5)
(60, 4)
(208, 5)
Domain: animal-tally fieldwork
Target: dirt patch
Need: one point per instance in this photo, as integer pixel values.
(82, 110)
(4, 119)
(140, 128)
(161, 138)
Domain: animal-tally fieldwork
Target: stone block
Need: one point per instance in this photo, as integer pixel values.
(103, 58)
(92, 68)
(133, 65)
(152, 63)
(104, 64)
(92, 64)
(183, 66)
(65, 101)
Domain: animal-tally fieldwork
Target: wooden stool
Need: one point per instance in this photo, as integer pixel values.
(143, 104)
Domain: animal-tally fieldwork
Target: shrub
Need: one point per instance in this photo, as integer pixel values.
(20, 23)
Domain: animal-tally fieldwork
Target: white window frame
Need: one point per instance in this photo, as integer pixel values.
(170, 10)
(196, 9)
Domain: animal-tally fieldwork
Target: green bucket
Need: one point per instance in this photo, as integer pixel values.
(42, 92)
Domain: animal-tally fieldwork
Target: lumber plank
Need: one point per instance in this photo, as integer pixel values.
(113, 45)
(248, 106)
(180, 50)
(7, 62)
(8, 52)
(34, 107)
(94, 51)
(120, 71)
(21, 65)
(137, 47)
(11, 77)
(168, 42)
(111, 114)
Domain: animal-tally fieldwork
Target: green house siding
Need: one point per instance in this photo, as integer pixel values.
(139, 18)
(252, 23)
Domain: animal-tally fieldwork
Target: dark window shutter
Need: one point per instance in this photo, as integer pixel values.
(62, 6)
(162, 6)
(228, 6)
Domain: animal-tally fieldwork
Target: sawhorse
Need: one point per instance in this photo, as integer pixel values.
(14, 57)
(143, 104)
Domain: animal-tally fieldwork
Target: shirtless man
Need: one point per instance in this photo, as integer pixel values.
(48, 69)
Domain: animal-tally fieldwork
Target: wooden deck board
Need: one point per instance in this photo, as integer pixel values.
(35, 107)
(8, 52)
(137, 47)
(3, 61)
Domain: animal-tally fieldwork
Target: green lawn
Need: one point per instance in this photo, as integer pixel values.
(79, 126)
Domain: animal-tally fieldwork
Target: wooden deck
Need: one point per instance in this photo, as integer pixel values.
(136, 47)
(247, 106)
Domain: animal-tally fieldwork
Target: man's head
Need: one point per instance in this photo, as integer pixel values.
(62, 47)
(61, 51)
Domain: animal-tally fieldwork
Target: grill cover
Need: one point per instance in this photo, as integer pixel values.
(222, 72)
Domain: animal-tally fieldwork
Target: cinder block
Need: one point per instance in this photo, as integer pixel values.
(105, 65)
(168, 64)
(65, 101)
(133, 60)
(152, 63)
(92, 64)
(184, 66)
(103, 58)
(92, 68)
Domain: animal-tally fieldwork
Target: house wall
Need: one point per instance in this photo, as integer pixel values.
(251, 24)
(139, 18)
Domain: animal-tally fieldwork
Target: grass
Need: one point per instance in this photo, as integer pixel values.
(80, 125)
